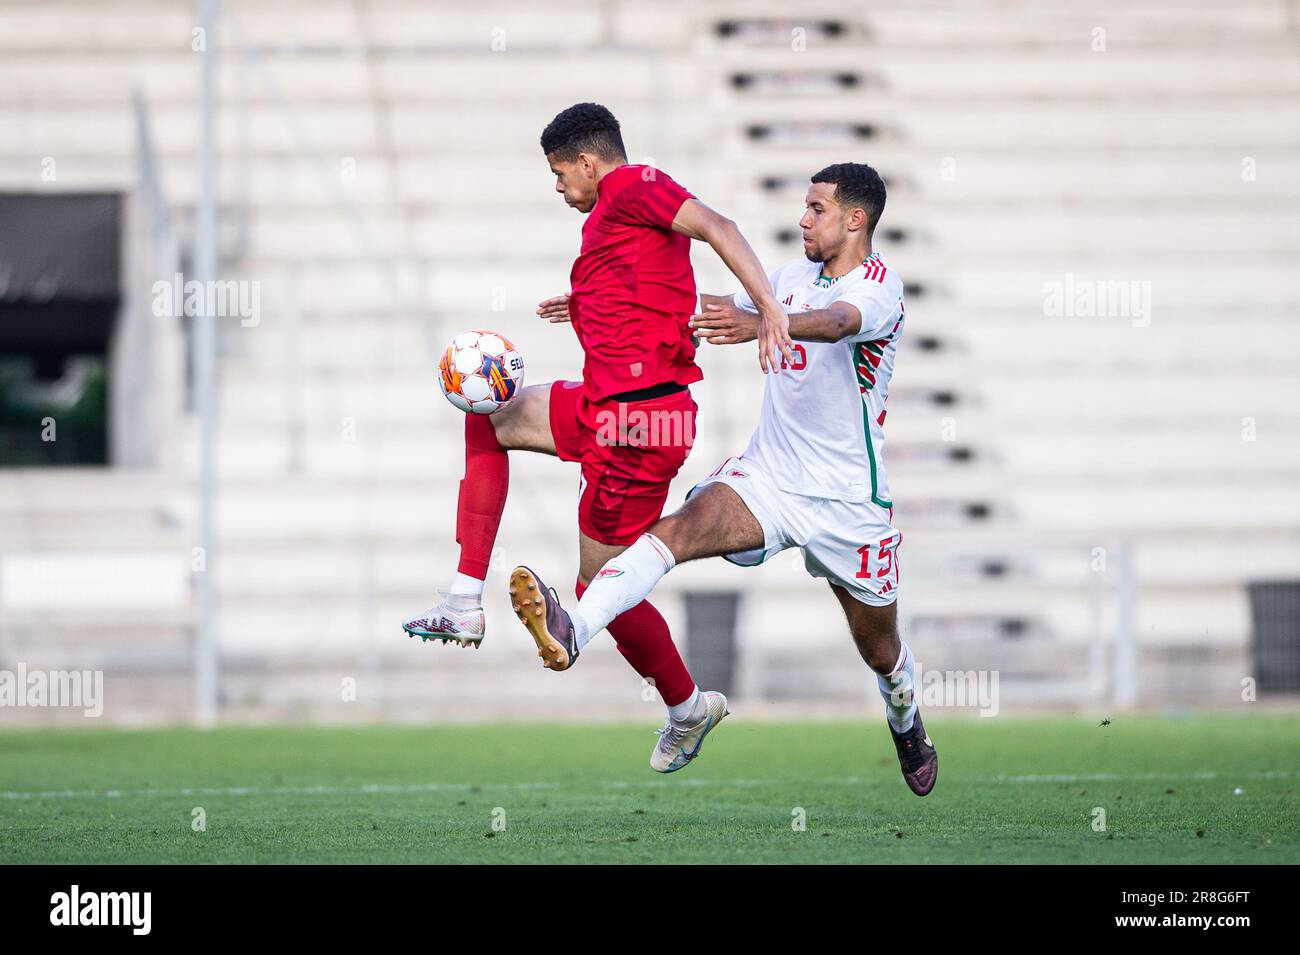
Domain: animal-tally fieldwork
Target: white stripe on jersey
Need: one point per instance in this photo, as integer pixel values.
(821, 432)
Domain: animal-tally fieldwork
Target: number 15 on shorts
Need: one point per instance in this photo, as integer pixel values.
(878, 564)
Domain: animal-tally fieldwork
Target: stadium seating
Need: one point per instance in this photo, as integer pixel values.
(380, 179)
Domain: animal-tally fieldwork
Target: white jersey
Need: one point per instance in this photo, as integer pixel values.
(821, 432)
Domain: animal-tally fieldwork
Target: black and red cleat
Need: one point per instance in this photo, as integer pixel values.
(917, 757)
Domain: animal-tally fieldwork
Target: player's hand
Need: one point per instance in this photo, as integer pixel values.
(555, 309)
(725, 325)
(774, 341)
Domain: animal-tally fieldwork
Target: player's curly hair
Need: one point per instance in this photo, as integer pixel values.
(857, 186)
(583, 128)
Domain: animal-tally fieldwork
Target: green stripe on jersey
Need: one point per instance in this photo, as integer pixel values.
(866, 432)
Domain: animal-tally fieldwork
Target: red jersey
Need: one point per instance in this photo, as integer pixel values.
(632, 290)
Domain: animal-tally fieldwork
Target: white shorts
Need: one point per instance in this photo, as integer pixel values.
(854, 545)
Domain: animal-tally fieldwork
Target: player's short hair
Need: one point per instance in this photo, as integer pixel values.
(583, 128)
(857, 186)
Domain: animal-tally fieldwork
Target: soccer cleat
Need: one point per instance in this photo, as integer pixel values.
(679, 743)
(539, 610)
(917, 757)
(446, 623)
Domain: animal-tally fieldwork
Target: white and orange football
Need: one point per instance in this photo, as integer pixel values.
(480, 372)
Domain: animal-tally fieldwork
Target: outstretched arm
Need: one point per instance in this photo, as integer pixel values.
(555, 309)
(722, 323)
(698, 221)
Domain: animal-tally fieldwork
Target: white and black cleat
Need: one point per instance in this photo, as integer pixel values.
(446, 624)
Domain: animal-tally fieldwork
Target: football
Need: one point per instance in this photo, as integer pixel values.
(480, 372)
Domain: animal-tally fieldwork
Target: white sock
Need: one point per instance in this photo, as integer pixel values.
(897, 690)
(688, 711)
(581, 632)
(621, 584)
(466, 593)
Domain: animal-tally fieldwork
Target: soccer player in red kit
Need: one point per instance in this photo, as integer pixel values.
(632, 293)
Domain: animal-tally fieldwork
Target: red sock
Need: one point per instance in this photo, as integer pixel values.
(482, 495)
(644, 640)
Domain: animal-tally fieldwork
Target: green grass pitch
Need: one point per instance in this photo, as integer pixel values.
(1009, 790)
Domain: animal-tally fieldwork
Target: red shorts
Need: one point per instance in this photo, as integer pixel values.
(629, 452)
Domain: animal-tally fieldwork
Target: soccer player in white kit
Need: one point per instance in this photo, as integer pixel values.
(813, 475)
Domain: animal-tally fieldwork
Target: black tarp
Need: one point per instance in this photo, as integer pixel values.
(60, 271)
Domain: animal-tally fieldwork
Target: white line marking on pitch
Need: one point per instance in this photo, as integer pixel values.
(271, 791)
(373, 788)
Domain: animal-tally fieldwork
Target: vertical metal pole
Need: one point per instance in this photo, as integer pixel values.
(204, 363)
(1126, 648)
(1096, 635)
(297, 426)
